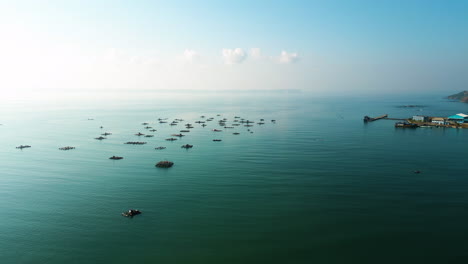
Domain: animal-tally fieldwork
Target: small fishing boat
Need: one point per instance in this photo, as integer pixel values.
(171, 139)
(216, 140)
(160, 148)
(139, 134)
(164, 164)
(131, 213)
(23, 146)
(66, 148)
(187, 146)
(100, 138)
(116, 158)
(406, 125)
(135, 143)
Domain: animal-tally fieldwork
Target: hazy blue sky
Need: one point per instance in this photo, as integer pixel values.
(319, 46)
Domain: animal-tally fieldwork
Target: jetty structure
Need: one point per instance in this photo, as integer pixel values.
(164, 164)
(371, 119)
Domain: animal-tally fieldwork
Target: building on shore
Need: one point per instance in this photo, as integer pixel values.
(420, 118)
(458, 118)
(438, 121)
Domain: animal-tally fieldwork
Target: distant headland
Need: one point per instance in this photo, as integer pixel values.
(462, 96)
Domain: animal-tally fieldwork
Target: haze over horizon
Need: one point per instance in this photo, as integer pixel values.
(311, 46)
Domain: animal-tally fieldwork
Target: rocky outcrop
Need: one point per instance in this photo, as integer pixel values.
(462, 96)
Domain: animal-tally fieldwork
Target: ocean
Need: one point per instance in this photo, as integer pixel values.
(316, 186)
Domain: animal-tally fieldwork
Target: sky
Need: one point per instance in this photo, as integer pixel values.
(325, 47)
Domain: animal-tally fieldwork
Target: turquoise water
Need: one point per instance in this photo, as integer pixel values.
(317, 186)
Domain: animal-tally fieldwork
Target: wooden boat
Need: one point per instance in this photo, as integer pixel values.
(66, 148)
(23, 146)
(131, 213)
(164, 164)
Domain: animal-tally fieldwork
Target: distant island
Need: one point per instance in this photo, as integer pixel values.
(462, 96)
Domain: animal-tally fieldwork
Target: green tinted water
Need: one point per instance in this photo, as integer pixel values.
(317, 186)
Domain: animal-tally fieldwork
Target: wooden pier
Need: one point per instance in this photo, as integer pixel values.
(400, 119)
(371, 119)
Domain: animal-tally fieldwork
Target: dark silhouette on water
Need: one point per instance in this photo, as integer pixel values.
(164, 164)
(131, 213)
(23, 146)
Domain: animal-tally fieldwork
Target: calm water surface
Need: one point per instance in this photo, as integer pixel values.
(317, 186)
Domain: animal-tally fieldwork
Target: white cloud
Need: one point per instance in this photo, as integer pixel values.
(256, 53)
(191, 56)
(287, 58)
(233, 56)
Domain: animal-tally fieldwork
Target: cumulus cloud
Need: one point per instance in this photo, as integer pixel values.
(256, 53)
(287, 58)
(191, 56)
(234, 56)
